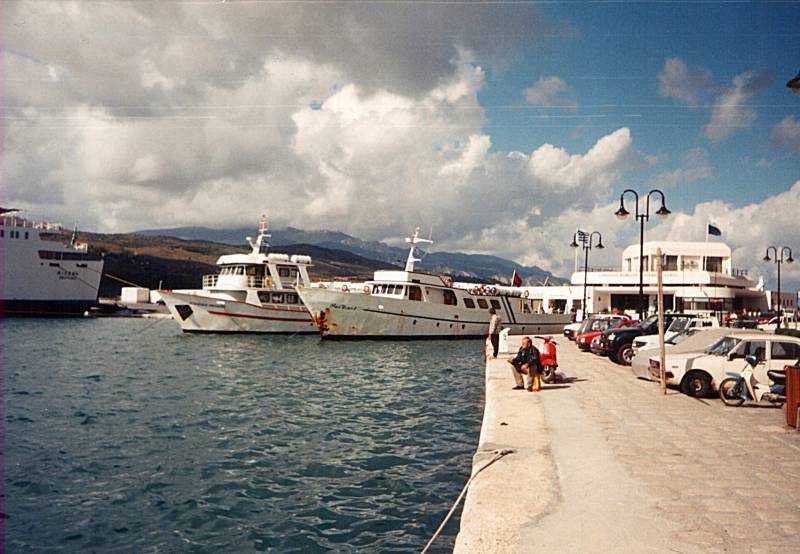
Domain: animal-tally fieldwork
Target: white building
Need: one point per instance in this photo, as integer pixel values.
(698, 278)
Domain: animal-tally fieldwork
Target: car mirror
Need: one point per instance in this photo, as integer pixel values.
(751, 360)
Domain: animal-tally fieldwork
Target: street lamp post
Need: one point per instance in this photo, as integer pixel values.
(622, 213)
(585, 240)
(778, 254)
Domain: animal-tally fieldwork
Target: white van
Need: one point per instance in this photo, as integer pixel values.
(698, 374)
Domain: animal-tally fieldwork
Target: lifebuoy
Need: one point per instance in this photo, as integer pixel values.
(367, 289)
(493, 291)
(525, 294)
(345, 288)
(475, 290)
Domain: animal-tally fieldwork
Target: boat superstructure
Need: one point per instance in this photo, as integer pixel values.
(411, 304)
(252, 293)
(45, 272)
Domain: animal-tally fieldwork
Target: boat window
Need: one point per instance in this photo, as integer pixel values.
(291, 298)
(469, 303)
(482, 303)
(399, 290)
(526, 307)
(277, 298)
(495, 304)
(757, 348)
(26, 235)
(287, 271)
(450, 298)
(415, 293)
(263, 296)
(785, 350)
(390, 289)
(2, 233)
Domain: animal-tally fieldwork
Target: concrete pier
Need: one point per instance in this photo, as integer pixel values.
(604, 462)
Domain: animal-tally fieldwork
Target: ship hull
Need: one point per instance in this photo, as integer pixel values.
(198, 313)
(45, 308)
(348, 315)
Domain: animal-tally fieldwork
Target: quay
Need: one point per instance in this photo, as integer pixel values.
(604, 462)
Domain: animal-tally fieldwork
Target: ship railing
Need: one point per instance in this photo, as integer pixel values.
(210, 281)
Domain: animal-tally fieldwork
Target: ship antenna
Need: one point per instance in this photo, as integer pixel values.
(261, 244)
(414, 241)
(74, 235)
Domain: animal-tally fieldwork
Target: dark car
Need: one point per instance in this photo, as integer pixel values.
(745, 324)
(617, 344)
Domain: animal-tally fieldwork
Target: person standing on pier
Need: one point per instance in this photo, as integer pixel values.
(495, 326)
(526, 362)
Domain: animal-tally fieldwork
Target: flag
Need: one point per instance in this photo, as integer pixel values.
(516, 280)
(714, 230)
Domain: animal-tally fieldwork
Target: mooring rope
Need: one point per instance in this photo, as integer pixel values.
(498, 454)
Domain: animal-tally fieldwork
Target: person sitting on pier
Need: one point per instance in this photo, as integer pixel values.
(495, 326)
(526, 362)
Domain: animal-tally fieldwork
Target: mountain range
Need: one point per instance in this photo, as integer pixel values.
(459, 265)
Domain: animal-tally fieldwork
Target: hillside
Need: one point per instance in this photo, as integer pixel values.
(173, 263)
(462, 266)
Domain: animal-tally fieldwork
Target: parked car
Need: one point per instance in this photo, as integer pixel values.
(787, 322)
(678, 325)
(617, 344)
(584, 340)
(571, 328)
(745, 324)
(700, 374)
(694, 339)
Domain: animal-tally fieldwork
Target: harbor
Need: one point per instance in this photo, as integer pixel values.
(399, 277)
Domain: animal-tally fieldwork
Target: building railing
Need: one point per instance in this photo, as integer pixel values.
(733, 273)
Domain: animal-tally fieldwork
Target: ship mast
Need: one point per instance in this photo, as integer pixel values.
(260, 245)
(414, 241)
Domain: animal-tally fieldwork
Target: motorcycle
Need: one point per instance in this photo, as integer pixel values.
(735, 390)
(548, 359)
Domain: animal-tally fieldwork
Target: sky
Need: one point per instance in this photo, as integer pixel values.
(500, 127)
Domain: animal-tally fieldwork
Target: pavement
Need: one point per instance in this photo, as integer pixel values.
(605, 462)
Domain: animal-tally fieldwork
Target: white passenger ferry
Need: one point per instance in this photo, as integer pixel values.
(44, 272)
(252, 293)
(411, 304)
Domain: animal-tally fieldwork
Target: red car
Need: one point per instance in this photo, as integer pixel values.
(584, 340)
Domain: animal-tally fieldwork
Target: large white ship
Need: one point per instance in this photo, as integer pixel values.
(44, 272)
(411, 304)
(252, 293)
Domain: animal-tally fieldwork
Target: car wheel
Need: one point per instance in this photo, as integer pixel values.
(696, 383)
(624, 354)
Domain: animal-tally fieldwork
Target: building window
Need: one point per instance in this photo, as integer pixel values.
(714, 264)
(670, 263)
(469, 303)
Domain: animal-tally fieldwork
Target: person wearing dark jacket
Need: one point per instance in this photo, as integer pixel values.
(526, 362)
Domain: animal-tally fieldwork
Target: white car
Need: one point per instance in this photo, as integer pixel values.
(788, 322)
(695, 339)
(571, 328)
(677, 326)
(698, 374)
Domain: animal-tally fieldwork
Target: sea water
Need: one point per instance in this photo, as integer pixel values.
(127, 435)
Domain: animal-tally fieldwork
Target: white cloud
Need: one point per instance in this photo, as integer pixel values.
(557, 169)
(550, 91)
(677, 81)
(730, 111)
(787, 133)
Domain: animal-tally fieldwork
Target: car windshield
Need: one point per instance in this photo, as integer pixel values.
(648, 322)
(678, 325)
(722, 346)
(682, 336)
